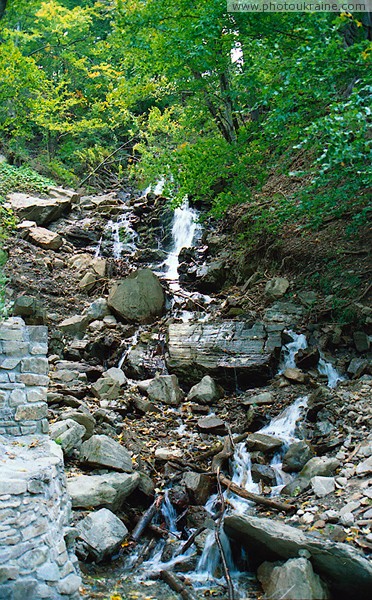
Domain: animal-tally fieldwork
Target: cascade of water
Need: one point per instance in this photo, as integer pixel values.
(185, 228)
(327, 369)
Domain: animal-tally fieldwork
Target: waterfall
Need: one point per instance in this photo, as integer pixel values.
(185, 228)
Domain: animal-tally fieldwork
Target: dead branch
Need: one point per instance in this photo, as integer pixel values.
(218, 447)
(190, 541)
(226, 572)
(220, 459)
(239, 491)
(146, 519)
(176, 585)
(145, 553)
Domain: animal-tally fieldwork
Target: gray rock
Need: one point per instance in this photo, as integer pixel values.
(263, 398)
(205, 392)
(317, 466)
(361, 341)
(139, 298)
(263, 473)
(108, 491)
(295, 375)
(347, 571)
(210, 424)
(263, 442)
(307, 297)
(40, 210)
(296, 457)
(322, 486)
(198, 486)
(101, 533)
(284, 312)
(106, 388)
(365, 467)
(44, 238)
(103, 451)
(211, 277)
(74, 325)
(295, 579)
(168, 453)
(68, 434)
(276, 288)
(97, 310)
(165, 389)
(84, 418)
(358, 367)
(231, 352)
(115, 374)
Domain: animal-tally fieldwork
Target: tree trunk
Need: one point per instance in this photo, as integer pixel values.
(2, 7)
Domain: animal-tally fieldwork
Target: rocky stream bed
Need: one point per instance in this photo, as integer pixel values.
(216, 440)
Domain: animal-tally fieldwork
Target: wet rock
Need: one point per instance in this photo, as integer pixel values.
(293, 579)
(198, 486)
(102, 451)
(163, 389)
(138, 298)
(284, 312)
(68, 434)
(231, 352)
(44, 238)
(296, 457)
(295, 375)
(347, 571)
(211, 424)
(358, 367)
(205, 392)
(264, 443)
(108, 491)
(263, 473)
(322, 486)
(41, 210)
(211, 277)
(97, 310)
(79, 236)
(307, 358)
(101, 534)
(276, 288)
(361, 341)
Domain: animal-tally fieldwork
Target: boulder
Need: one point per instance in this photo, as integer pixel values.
(322, 486)
(296, 457)
(365, 467)
(44, 238)
(358, 367)
(361, 341)
(139, 298)
(211, 424)
(263, 442)
(317, 466)
(295, 579)
(263, 473)
(164, 389)
(198, 486)
(100, 534)
(109, 386)
(87, 282)
(307, 358)
(115, 374)
(41, 210)
(74, 325)
(276, 288)
(103, 451)
(68, 434)
(211, 277)
(232, 352)
(343, 567)
(30, 309)
(84, 418)
(205, 392)
(108, 491)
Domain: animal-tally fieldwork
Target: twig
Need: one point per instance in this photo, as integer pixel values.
(104, 161)
(176, 585)
(220, 458)
(145, 553)
(226, 572)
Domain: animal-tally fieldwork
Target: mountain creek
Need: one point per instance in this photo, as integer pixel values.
(216, 440)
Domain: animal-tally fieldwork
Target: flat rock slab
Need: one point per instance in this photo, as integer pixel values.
(210, 424)
(107, 491)
(232, 352)
(348, 573)
(263, 442)
(41, 210)
(103, 451)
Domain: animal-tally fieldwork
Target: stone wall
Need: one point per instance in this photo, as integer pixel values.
(37, 558)
(23, 378)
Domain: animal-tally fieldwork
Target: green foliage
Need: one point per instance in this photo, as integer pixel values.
(22, 179)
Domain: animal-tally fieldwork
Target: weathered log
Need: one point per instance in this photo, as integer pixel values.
(176, 585)
(239, 491)
(146, 519)
(145, 553)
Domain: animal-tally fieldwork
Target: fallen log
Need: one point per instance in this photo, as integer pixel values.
(146, 519)
(176, 585)
(257, 499)
(190, 541)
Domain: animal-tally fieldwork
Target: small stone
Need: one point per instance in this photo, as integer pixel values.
(276, 288)
(210, 424)
(295, 375)
(167, 454)
(264, 398)
(45, 238)
(205, 392)
(365, 467)
(347, 519)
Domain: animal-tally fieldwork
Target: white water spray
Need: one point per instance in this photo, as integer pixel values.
(184, 230)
